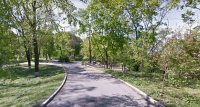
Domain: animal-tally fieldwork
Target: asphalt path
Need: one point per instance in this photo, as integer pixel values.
(87, 87)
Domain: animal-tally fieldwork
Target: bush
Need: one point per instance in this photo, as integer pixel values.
(78, 58)
(85, 58)
(64, 58)
(82, 62)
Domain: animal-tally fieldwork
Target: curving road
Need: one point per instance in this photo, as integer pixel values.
(86, 87)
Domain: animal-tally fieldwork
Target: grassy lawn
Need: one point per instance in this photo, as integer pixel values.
(174, 96)
(27, 90)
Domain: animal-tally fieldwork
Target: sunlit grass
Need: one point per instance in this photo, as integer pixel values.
(151, 84)
(28, 90)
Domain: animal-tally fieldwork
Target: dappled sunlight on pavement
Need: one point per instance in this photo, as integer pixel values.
(86, 87)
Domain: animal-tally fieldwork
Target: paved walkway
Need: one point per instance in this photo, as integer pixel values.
(86, 87)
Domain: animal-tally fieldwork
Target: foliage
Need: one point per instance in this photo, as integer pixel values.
(64, 58)
(67, 44)
(187, 17)
(34, 15)
(186, 61)
(10, 49)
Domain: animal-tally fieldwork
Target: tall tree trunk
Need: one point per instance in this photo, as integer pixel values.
(35, 39)
(61, 51)
(36, 56)
(27, 50)
(111, 65)
(28, 57)
(90, 51)
(106, 60)
(112, 57)
(136, 33)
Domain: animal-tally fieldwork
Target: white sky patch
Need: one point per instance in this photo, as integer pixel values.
(70, 28)
(175, 21)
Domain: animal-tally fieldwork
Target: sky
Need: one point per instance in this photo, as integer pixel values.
(173, 18)
(69, 28)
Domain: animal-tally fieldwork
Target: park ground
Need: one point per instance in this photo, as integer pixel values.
(177, 93)
(28, 90)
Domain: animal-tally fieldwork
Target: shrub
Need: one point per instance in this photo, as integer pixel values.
(64, 58)
(82, 62)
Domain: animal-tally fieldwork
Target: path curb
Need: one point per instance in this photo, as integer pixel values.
(139, 92)
(136, 89)
(44, 104)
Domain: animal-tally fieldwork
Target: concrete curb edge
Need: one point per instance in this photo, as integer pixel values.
(44, 104)
(136, 89)
(139, 92)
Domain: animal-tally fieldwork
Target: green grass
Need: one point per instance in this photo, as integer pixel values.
(187, 95)
(14, 61)
(28, 90)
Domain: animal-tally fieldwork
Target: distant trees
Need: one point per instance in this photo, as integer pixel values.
(131, 31)
(113, 22)
(67, 44)
(105, 28)
(46, 42)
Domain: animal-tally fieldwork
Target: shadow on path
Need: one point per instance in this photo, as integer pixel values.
(87, 87)
(102, 101)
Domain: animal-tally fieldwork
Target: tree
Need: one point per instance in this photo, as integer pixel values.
(187, 18)
(62, 40)
(46, 42)
(75, 43)
(85, 28)
(27, 42)
(34, 12)
(145, 17)
(67, 44)
(186, 61)
(9, 43)
(106, 22)
(162, 57)
(184, 3)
